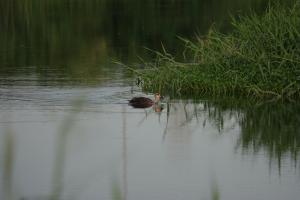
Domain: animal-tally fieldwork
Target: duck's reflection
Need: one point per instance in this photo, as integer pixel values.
(158, 108)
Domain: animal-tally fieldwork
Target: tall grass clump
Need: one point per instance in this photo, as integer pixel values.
(259, 58)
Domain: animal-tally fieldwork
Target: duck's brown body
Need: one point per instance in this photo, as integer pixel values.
(141, 102)
(144, 102)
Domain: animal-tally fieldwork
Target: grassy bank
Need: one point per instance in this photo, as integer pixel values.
(259, 58)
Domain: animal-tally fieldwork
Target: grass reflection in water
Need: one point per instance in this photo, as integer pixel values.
(273, 127)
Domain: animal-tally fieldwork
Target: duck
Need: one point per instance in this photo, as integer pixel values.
(144, 102)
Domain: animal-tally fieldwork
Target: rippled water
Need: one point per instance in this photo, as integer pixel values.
(87, 143)
(67, 132)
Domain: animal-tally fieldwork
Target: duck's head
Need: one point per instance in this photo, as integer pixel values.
(157, 97)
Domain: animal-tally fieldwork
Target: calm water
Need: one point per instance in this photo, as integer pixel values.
(66, 131)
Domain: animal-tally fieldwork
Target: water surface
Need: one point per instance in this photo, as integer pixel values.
(66, 131)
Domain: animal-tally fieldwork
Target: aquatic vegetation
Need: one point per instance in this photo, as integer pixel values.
(259, 58)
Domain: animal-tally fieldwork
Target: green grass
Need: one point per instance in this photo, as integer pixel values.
(259, 58)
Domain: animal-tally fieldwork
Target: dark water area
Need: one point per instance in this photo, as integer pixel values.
(78, 39)
(67, 131)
